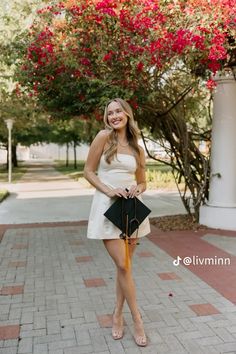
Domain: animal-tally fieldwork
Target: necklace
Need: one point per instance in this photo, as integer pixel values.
(123, 145)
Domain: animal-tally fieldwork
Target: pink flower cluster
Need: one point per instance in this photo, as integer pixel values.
(108, 56)
(42, 50)
(106, 7)
(211, 84)
(133, 36)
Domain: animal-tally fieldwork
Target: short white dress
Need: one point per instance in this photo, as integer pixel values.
(120, 173)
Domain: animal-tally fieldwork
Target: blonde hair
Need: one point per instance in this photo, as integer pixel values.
(132, 132)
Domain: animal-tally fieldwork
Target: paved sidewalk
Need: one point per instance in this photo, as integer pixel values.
(57, 296)
(57, 292)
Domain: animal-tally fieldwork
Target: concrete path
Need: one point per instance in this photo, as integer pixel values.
(45, 195)
(57, 287)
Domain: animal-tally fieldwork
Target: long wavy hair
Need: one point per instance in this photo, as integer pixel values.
(132, 132)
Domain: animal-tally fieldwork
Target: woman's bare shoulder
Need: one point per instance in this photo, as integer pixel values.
(103, 134)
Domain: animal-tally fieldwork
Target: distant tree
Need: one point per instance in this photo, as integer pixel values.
(30, 126)
(73, 133)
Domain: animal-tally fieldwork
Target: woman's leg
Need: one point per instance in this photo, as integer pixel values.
(126, 287)
(118, 325)
(120, 298)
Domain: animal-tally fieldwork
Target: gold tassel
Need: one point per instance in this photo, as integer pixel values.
(127, 259)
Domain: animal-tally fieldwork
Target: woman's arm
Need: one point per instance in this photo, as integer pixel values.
(94, 156)
(140, 172)
(140, 176)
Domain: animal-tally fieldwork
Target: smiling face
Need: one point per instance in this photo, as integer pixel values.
(116, 117)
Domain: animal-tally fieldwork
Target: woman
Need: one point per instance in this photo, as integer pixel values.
(121, 167)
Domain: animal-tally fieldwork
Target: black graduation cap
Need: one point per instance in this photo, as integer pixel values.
(127, 215)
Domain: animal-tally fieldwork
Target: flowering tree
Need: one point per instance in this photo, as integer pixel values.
(154, 53)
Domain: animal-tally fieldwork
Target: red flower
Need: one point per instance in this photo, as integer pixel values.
(181, 41)
(85, 61)
(50, 77)
(98, 116)
(133, 103)
(214, 66)
(60, 70)
(211, 84)
(140, 66)
(108, 56)
(17, 90)
(87, 50)
(199, 42)
(156, 45)
(217, 52)
(76, 10)
(49, 48)
(136, 49)
(77, 73)
(218, 39)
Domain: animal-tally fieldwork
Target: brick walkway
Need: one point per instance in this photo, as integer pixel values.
(57, 293)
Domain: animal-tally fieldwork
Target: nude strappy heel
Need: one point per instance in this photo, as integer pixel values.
(118, 332)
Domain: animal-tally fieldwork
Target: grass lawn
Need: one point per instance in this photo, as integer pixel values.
(157, 166)
(17, 173)
(77, 175)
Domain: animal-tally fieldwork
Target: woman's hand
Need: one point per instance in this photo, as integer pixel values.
(134, 191)
(119, 192)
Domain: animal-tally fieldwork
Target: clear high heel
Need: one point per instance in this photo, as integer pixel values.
(140, 340)
(117, 329)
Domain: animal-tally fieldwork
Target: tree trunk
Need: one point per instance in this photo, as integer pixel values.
(14, 156)
(75, 157)
(67, 154)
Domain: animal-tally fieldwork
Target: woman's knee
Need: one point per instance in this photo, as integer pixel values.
(116, 249)
(121, 265)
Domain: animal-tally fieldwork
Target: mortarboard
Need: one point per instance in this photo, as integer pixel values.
(131, 207)
(127, 215)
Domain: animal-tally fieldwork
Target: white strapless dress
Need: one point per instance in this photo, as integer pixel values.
(120, 173)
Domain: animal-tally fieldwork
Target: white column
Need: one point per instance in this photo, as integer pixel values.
(220, 210)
